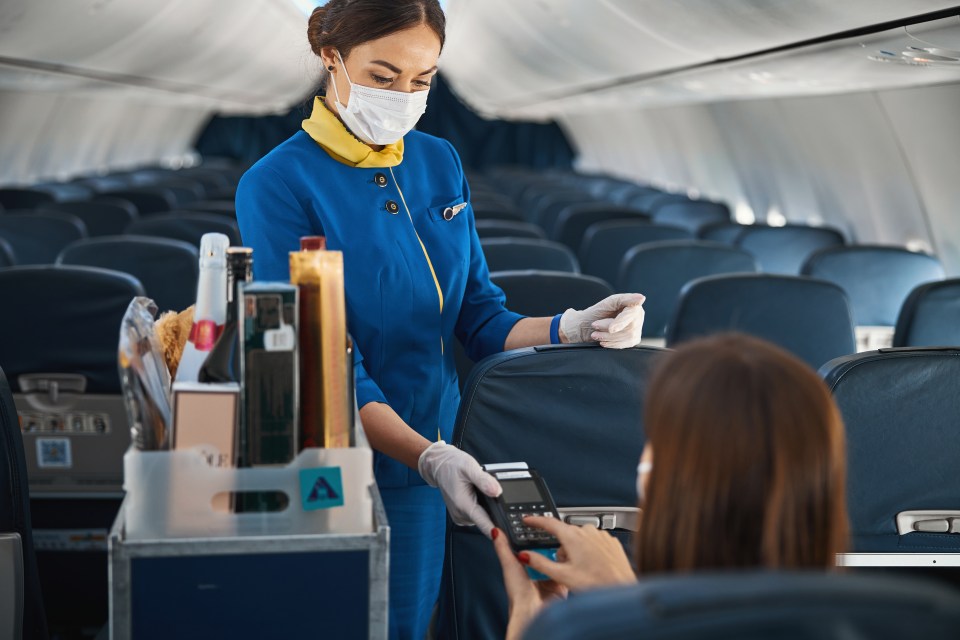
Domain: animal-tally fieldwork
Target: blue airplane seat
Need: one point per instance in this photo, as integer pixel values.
(185, 190)
(691, 214)
(651, 201)
(573, 221)
(547, 293)
(103, 184)
(876, 278)
(725, 232)
(167, 269)
(224, 207)
(8, 257)
(496, 212)
(188, 226)
(64, 191)
(584, 434)
(508, 229)
(930, 316)
(147, 199)
(12, 198)
(38, 237)
(605, 243)
(547, 207)
(810, 318)
(101, 217)
(15, 516)
(659, 270)
(68, 321)
(785, 249)
(213, 181)
(900, 409)
(515, 254)
(755, 605)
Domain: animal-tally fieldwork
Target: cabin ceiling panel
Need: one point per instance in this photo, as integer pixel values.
(249, 56)
(540, 58)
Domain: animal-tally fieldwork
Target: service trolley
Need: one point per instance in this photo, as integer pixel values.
(183, 563)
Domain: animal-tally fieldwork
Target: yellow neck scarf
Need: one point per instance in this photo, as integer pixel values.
(327, 131)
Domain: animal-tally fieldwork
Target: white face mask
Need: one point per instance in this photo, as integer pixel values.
(379, 116)
(642, 469)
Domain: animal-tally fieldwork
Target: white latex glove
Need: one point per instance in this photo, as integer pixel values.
(615, 322)
(458, 476)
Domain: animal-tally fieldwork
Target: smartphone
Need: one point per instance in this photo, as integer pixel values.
(524, 494)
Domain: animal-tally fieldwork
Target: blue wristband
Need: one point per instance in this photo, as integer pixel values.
(555, 329)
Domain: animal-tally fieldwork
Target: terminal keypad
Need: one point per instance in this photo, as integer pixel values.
(530, 535)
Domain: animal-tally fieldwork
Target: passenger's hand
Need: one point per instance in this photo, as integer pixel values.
(526, 596)
(615, 322)
(458, 476)
(588, 557)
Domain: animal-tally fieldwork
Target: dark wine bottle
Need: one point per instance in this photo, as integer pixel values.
(223, 362)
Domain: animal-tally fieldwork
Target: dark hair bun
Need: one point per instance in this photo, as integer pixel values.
(315, 29)
(346, 24)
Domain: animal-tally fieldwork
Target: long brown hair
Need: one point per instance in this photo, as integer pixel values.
(749, 466)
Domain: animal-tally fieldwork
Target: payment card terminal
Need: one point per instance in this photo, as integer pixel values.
(524, 494)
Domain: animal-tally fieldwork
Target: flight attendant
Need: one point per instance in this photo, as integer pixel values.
(396, 203)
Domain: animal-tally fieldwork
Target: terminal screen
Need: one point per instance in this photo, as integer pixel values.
(520, 491)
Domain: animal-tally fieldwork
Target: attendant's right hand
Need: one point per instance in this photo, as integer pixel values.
(588, 557)
(458, 476)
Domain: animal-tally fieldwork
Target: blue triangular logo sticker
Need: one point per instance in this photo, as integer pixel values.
(321, 488)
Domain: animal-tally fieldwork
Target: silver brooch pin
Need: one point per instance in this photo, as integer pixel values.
(450, 212)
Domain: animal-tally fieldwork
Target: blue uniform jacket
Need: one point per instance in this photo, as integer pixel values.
(403, 339)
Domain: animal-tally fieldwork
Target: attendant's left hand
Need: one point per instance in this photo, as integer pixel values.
(615, 322)
(526, 597)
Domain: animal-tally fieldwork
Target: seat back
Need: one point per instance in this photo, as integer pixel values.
(508, 229)
(515, 254)
(547, 293)
(24, 198)
(930, 316)
(900, 410)
(167, 269)
(488, 211)
(546, 208)
(15, 516)
(100, 217)
(584, 434)
(62, 365)
(785, 249)
(691, 214)
(147, 200)
(8, 257)
(222, 207)
(660, 270)
(606, 243)
(755, 605)
(877, 279)
(810, 318)
(186, 226)
(725, 232)
(574, 221)
(37, 238)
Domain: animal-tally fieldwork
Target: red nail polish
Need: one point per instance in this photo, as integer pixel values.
(523, 557)
(494, 533)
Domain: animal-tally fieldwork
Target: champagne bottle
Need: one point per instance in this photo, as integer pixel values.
(210, 311)
(326, 415)
(223, 362)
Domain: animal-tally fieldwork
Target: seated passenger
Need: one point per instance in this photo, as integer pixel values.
(744, 467)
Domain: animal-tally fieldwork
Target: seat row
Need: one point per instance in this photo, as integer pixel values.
(876, 279)
(150, 189)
